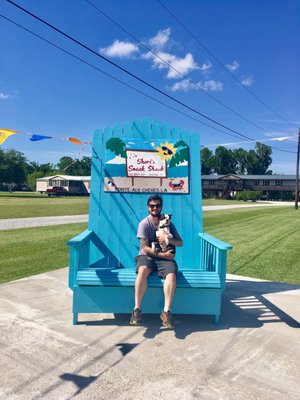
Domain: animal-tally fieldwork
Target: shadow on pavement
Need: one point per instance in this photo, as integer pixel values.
(243, 306)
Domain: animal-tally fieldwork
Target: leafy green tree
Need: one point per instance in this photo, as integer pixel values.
(259, 159)
(2, 165)
(207, 161)
(240, 156)
(224, 161)
(85, 166)
(264, 156)
(70, 166)
(31, 179)
(67, 166)
(12, 167)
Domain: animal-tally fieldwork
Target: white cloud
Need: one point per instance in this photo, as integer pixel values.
(120, 49)
(4, 96)
(117, 160)
(186, 85)
(233, 66)
(212, 85)
(159, 41)
(205, 67)
(183, 65)
(247, 81)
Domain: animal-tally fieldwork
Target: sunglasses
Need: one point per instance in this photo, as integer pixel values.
(164, 148)
(152, 206)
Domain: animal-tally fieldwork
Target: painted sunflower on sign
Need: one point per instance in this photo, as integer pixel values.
(166, 151)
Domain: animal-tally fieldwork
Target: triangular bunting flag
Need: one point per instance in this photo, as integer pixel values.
(35, 138)
(74, 140)
(5, 133)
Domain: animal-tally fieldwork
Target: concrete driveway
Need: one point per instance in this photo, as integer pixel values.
(253, 354)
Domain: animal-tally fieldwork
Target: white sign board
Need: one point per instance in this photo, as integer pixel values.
(145, 163)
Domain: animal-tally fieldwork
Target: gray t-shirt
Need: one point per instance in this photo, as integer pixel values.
(147, 230)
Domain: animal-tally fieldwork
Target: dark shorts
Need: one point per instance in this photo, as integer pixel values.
(163, 267)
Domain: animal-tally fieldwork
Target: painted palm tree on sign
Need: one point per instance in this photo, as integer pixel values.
(117, 146)
(181, 155)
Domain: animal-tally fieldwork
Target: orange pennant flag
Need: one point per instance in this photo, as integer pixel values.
(5, 133)
(74, 140)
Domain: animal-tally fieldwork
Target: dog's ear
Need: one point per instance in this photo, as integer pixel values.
(170, 215)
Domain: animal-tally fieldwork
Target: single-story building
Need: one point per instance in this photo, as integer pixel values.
(273, 187)
(73, 184)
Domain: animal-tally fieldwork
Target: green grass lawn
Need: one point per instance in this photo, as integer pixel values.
(22, 205)
(31, 251)
(266, 241)
(266, 244)
(31, 204)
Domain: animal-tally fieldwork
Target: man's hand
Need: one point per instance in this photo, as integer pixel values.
(168, 255)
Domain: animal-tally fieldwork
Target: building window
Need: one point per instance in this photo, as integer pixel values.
(278, 182)
(266, 183)
(256, 183)
(75, 183)
(56, 182)
(211, 182)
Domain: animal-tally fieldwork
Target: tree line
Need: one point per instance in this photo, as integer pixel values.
(17, 173)
(238, 161)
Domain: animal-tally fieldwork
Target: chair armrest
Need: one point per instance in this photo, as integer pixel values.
(81, 238)
(213, 255)
(215, 242)
(79, 254)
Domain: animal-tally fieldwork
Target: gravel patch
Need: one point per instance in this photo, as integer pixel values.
(17, 223)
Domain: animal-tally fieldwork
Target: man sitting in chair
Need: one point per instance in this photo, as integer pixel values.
(158, 238)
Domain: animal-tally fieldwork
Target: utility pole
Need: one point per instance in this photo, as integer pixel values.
(297, 173)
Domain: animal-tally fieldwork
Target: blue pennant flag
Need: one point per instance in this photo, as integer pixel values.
(34, 138)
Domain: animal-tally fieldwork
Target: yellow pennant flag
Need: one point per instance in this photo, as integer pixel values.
(5, 133)
(74, 140)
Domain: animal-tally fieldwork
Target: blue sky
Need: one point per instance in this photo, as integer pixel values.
(45, 91)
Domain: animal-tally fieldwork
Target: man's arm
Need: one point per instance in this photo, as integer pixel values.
(148, 250)
(175, 241)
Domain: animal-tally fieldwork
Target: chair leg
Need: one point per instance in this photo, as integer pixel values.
(75, 318)
(217, 319)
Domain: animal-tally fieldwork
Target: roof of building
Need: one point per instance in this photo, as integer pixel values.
(66, 177)
(250, 177)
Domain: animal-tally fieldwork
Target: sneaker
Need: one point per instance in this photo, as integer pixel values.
(136, 316)
(166, 318)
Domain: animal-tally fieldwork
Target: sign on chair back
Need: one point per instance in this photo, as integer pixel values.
(129, 163)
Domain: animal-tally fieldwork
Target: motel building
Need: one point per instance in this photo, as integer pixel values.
(273, 187)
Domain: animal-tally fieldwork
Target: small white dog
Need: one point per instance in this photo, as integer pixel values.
(164, 225)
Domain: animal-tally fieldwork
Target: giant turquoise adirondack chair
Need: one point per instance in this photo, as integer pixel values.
(102, 267)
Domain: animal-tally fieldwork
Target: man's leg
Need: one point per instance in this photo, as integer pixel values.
(141, 285)
(169, 289)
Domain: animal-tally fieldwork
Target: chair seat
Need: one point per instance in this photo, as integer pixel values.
(191, 278)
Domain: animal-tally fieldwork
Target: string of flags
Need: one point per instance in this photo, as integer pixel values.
(5, 133)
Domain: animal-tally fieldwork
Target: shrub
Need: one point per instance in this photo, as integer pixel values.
(246, 195)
